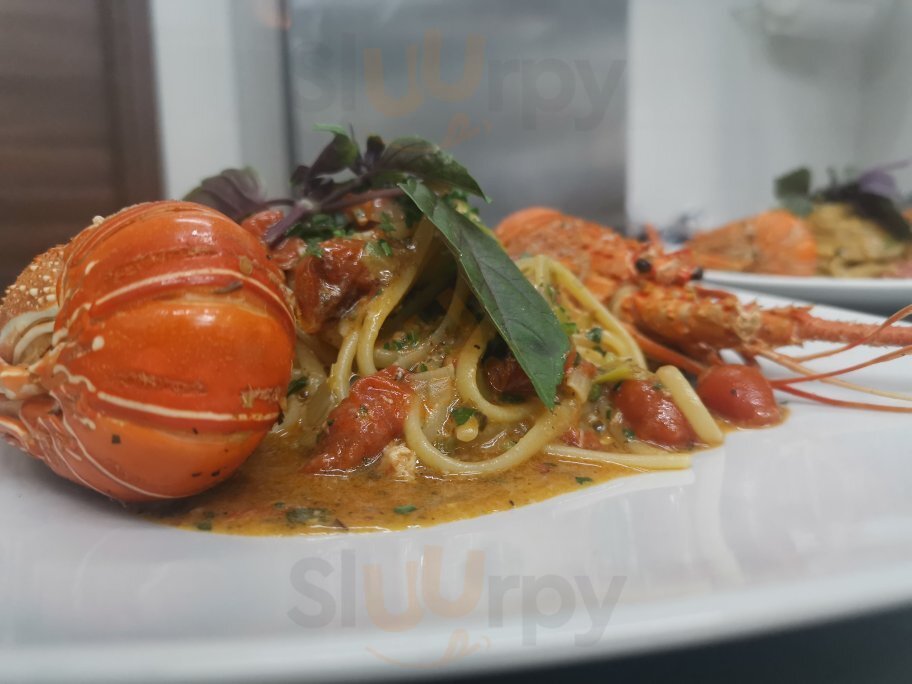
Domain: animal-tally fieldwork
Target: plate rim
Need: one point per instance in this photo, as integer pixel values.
(280, 657)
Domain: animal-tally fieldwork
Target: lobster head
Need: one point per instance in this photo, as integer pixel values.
(154, 356)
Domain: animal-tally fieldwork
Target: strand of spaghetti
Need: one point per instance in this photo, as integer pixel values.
(540, 271)
(437, 387)
(664, 461)
(381, 306)
(341, 371)
(547, 427)
(686, 399)
(444, 394)
(467, 380)
(388, 357)
(454, 311)
(620, 340)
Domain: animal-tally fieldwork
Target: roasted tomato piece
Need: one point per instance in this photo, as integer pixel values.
(740, 394)
(260, 222)
(286, 253)
(327, 285)
(652, 415)
(506, 376)
(582, 438)
(366, 421)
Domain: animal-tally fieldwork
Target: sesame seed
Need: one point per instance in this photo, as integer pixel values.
(33, 291)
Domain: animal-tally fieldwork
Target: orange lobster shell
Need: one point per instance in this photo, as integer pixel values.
(171, 354)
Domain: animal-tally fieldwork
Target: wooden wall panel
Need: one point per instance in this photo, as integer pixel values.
(78, 132)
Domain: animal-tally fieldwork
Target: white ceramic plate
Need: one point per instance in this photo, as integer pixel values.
(794, 524)
(876, 295)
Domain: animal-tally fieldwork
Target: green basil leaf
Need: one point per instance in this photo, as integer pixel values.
(799, 205)
(237, 193)
(793, 183)
(431, 164)
(335, 129)
(520, 314)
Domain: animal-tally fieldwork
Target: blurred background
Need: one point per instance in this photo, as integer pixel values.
(619, 111)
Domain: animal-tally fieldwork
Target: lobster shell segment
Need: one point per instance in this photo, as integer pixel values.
(171, 354)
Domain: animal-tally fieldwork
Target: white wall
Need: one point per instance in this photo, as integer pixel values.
(726, 95)
(220, 90)
(885, 133)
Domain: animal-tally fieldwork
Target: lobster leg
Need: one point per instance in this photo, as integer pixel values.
(14, 431)
(659, 352)
(17, 383)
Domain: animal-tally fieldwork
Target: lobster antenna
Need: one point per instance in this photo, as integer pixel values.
(829, 377)
(895, 318)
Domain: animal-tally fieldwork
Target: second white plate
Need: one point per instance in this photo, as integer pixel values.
(876, 295)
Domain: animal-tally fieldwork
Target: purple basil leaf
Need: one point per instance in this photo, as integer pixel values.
(375, 147)
(877, 182)
(340, 154)
(418, 157)
(300, 176)
(237, 193)
(880, 181)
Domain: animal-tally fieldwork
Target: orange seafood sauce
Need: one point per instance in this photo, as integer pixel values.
(270, 495)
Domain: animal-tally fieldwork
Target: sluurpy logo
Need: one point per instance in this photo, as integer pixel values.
(349, 592)
(334, 72)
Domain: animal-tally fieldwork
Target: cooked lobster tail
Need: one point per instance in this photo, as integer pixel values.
(169, 359)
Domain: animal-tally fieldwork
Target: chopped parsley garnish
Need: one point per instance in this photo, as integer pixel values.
(314, 249)
(570, 327)
(405, 510)
(583, 480)
(410, 340)
(462, 414)
(594, 335)
(204, 525)
(594, 393)
(303, 516)
(379, 248)
(629, 434)
(297, 385)
(386, 223)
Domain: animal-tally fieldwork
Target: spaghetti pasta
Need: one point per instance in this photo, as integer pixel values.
(468, 412)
